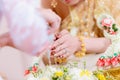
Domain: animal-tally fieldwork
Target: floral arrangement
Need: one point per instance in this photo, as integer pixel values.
(107, 23)
(109, 61)
(61, 73)
(68, 72)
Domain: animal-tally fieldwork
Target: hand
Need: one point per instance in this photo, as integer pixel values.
(52, 18)
(5, 40)
(66, 45)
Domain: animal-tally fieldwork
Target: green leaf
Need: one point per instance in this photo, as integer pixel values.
(36, 64)
(30, 68)
(113, 26)
(115, 54)
(116, 29)
(102, 57)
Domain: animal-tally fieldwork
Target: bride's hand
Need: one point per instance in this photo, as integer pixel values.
(65, 45)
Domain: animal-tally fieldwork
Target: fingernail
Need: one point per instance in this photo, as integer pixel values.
(55, 39)
(53, 52)
(59, 36)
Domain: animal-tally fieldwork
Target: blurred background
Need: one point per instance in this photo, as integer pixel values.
(12, 61)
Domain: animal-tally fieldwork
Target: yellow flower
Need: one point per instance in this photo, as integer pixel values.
(101, 77)
(85, 72)
(58, 73)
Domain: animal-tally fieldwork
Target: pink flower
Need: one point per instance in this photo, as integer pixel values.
(34, 68)
(27, 72)
(118, 57)
(100, 63)
(107, 22)
(114, 61)
(107, 61)
(112, 32)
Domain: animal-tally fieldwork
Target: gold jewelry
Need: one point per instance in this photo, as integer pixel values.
(83, 48)
(54, 3)
(60, 60)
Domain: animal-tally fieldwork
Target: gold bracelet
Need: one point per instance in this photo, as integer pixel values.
(82, 52)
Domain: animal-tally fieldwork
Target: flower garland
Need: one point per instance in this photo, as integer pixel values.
(107, 23)
(109, 61)
(59, 73)
(35, 70)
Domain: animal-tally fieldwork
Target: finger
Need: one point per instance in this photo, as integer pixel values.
(60, 53)
(67, 54)
(60, 47)
(59, 42)
(57, 36)
(64, 32)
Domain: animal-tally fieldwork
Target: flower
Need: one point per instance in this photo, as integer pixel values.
(74, 72)
(100, 62)
(85, 72)
(114, 61)
(112, 32)
(107, 22)
(27, 72)
(101, 77)
(107, 61)
(59, 74)
(34, 68)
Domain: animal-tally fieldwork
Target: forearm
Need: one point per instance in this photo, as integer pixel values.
(97, 45)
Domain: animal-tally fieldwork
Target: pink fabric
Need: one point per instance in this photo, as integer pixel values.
(27, 28)
(0, 9)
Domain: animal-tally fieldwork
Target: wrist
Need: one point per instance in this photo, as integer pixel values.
(96, 45)
(82, 48)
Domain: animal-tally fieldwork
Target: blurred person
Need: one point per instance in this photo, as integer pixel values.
(25, 18)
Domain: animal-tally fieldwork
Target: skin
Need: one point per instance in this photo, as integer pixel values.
(67, 45)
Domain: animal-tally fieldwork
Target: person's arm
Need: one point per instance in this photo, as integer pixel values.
(96, 45)
(67, 45)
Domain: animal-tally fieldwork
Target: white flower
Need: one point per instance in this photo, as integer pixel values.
(74, 72)
(31, 77)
